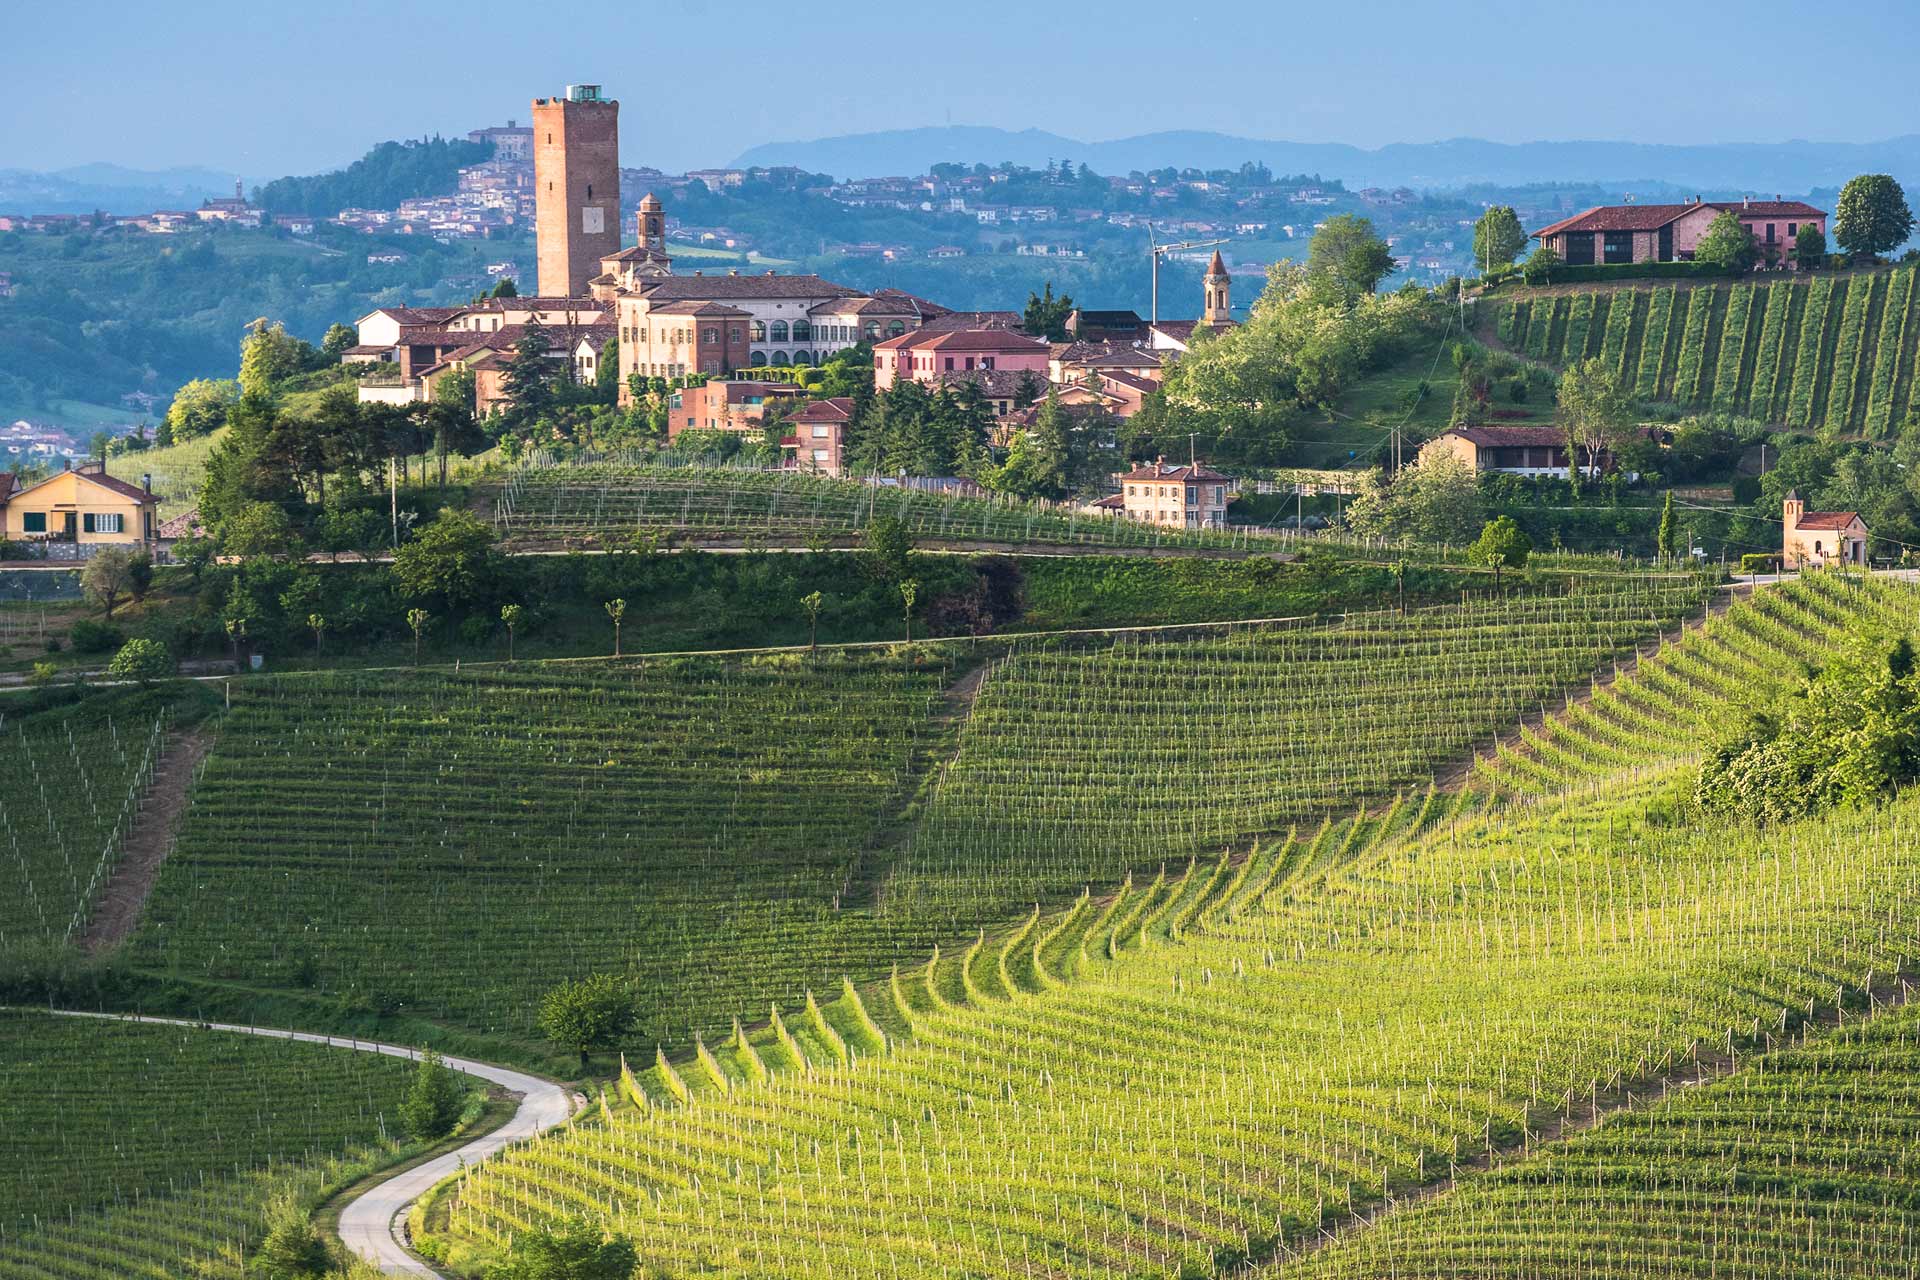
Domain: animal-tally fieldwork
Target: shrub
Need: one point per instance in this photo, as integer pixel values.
(1759, 562)
(89, 636)
(432, 1105)
(142, 660)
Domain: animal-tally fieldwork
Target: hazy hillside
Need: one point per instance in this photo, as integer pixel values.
(84, 188)
(1782, 166)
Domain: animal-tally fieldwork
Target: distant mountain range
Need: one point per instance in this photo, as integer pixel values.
(109, 187)
(1795, 166)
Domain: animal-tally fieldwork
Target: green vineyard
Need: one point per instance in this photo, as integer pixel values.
(1834, 354)
(169, 1140)
(1805, 1164)
(738, 833)
(539, 504)
(1229, 1055)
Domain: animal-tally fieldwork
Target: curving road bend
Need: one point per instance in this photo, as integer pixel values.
(373, 1222)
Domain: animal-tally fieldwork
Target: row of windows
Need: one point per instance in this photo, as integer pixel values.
(90, 522)
(1173, 494)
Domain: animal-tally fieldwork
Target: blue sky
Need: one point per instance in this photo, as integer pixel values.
(265, 88)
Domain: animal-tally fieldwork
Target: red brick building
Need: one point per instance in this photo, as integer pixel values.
(818, 438)
(576, 171)
(727, 404)
(1622, 233)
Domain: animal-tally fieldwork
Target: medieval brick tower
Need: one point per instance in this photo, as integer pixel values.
(1218, 312)
(576, 174)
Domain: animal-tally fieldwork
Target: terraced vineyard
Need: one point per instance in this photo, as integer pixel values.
(1802, 1165)
(549, 503)
(67, 800)
(1834, 353)
(739, 834)
(167, 1141)
(1211, 1065)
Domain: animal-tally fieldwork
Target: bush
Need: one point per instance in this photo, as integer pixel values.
(89, 636)
(432, 1104)
(1759, 562)
(142, 660)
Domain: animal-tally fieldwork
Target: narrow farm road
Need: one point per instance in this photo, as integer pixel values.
(372, 1224)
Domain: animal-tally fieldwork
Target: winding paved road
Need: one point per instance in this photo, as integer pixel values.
(372, 1223)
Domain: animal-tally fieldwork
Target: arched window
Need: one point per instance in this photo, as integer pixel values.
(759, 330)
(873, 331)
(895, 328)
(778, 331)
(802, 331)
(802, 358)
(757, 359)
(780, 357)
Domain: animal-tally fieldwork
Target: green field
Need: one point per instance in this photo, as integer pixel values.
(734, 833)
(1833, 354)
(1207, 1067)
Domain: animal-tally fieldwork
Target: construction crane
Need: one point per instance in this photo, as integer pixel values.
(1159, 251)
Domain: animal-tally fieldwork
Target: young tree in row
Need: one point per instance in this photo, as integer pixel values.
(511, 614)
(617, 610)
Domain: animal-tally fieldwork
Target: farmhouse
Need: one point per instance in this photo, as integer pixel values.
(1194, 496)
(1624, 233)
(1810, 539)
(84, 506)
(1523, 451)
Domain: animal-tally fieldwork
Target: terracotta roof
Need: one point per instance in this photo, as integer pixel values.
(932, 339)
(1216, 267)
(100, 478)
(185, 525)
(695, 307)
(9, 481)
(974, 320)
(832, 409)
(900, 306)
(1509, 437)
(1112, 502)
(680, 288)
(1133, 380)
(1161, 471)
(1651, 217)
(635, 253)
(997, 383)
(925, 306)
(1827, 519)
(417, 315)
(361, 349)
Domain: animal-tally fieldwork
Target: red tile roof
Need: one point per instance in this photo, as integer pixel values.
(832, 409)
(679, 288)
(1161, 471)
(1216, 267)
(1510, 437)
(1651, 217)
(1826, 519)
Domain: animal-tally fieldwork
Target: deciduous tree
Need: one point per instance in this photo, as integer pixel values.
(433, 1101)
(107, 577)
(1498, 237)
(1872, 215)
(1349, 255)
(593, 1012)
(1728, 244)
(1596, 413)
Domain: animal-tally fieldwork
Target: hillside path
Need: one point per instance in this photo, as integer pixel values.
(116, 910)
(374, 1223)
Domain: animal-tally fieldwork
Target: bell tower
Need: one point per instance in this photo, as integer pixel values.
(576, 171)
(1218, 286)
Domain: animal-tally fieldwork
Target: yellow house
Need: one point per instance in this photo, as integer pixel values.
(84, 505)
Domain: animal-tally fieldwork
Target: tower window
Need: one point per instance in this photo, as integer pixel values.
(589, 191)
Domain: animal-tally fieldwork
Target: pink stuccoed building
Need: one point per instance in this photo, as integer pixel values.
(924, 355)
(1622, 233)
